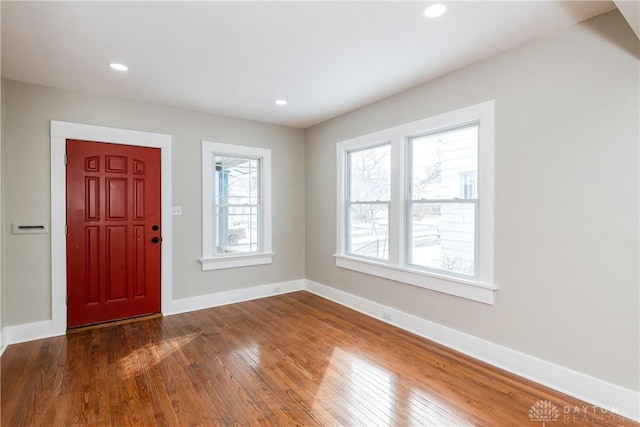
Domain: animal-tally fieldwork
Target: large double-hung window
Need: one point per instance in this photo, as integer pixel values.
(442, 207)
(415, 203)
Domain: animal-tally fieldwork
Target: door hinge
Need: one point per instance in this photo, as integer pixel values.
(66, 230)
(65, 159)
(66, 299)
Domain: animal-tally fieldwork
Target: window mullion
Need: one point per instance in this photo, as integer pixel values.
(396, 210)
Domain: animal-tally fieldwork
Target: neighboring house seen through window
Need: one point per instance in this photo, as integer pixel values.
(441, 214)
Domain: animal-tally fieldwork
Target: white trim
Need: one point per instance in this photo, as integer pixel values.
(464, 288)
(209, 260)
(231, 297)
(397, 248)
(60, 132)
(28, 332)
(584, 387)
(3, 338)
(486, 190)
(235, 261)
(479, 288)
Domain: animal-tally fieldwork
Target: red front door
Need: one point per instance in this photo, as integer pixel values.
(113, 232)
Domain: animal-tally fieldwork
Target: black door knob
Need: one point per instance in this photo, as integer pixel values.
(155, 228)
(155, 239)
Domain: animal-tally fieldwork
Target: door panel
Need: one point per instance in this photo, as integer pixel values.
(113, 206)
(93, 264)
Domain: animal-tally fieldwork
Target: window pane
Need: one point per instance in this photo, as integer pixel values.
(368, 230)
(442, 236)
(237, 183)
(370, 174)
(444, 165)
(237, 229)
(237, 180)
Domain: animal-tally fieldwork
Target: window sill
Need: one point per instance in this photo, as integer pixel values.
(235, 261)
(464, 288)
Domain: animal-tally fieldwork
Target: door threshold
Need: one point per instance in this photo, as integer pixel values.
(113, 323)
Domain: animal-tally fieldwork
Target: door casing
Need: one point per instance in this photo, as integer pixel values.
(60, 132)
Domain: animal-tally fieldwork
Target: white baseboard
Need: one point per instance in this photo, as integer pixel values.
(27, 332)
(3, 347)
(44, 329)
(616, 399)
(231, 297)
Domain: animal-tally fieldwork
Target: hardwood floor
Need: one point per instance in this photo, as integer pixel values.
(293, 359)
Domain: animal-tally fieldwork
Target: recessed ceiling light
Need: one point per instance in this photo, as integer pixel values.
(434, 10)
(118, 67)
(281, 102)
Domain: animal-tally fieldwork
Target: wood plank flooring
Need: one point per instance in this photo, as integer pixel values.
(293, 359)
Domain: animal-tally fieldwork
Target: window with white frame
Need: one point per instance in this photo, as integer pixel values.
(368, 200)
(441, 216)
(236, 206)
(415, 203)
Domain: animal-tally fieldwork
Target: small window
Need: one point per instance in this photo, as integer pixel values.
(236, 206)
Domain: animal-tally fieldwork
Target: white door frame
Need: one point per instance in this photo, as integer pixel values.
(60, 132)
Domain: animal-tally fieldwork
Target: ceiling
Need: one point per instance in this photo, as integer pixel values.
(237, 58)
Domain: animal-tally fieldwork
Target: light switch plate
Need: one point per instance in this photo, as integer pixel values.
(176, 210)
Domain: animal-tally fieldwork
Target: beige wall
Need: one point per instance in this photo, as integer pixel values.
(28, 111)
(567, 199)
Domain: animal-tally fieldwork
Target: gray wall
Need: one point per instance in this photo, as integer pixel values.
(28, 110)
(567, 199)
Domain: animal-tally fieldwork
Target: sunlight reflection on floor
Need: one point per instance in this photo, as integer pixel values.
(129, 362)
(373, 395)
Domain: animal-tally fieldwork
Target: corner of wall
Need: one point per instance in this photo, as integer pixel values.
(2, 335)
